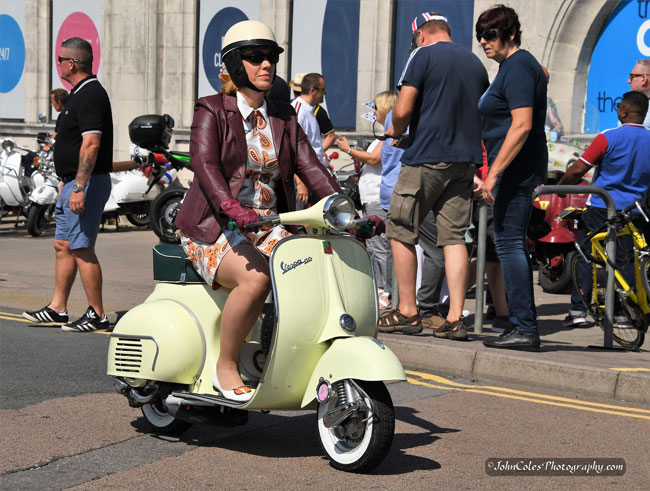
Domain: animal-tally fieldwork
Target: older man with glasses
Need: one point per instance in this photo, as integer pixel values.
(639, 80)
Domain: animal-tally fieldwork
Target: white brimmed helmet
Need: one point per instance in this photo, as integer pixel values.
(242, 35)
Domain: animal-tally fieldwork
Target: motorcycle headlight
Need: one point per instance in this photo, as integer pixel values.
(338, 212)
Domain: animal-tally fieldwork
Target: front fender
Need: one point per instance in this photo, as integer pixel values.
(44, 195)
(361, 358)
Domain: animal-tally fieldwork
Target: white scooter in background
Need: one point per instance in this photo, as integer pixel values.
(131, 193)
(15, 184)
(43, 198)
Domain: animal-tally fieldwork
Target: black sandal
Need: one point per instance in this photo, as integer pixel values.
(395, 321)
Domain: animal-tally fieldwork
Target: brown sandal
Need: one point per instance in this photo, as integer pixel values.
(395, 321)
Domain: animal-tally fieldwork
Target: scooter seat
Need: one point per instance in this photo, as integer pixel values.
(171, 265)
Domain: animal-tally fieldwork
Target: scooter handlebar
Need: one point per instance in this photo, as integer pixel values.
(264, 222)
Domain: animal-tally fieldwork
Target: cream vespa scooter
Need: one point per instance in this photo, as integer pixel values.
(314, 348)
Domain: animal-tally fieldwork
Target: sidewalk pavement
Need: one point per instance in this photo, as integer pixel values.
(570, 359)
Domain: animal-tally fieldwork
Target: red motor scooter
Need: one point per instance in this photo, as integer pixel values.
(554, 251)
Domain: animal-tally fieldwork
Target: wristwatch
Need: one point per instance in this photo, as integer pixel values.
(349, 152)
(76, 188)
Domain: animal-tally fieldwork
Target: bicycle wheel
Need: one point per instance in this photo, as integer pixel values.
(629, 322)
(645, 273)
(593, 308)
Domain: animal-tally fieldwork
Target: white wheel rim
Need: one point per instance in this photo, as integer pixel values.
(156, 417)
(341, 451)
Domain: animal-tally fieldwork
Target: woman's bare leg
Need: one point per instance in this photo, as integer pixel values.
(244, 270)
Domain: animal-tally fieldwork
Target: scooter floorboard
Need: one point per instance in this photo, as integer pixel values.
(211, 399)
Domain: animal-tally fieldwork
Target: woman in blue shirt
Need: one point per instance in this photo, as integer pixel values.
(513, 112)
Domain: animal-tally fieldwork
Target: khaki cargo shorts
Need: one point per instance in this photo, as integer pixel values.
(445, 188)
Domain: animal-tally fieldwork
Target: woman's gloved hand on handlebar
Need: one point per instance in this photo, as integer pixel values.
(375, 226)
(235, 211)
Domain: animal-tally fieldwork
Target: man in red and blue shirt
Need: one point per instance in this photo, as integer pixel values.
(622, 158)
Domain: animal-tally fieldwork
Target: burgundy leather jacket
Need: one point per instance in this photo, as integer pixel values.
(218, 158)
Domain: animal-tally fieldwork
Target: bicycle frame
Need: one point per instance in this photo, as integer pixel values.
(598, 251)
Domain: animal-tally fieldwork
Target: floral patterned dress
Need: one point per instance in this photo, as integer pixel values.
(257, 192)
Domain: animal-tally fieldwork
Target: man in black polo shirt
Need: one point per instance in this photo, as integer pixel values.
(83, 156)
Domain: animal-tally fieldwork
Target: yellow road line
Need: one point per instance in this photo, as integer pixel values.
(631, 369)
(19, 319)
(529, 399)
(20, 316)
(442, 380)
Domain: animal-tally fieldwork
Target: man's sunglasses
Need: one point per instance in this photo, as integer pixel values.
(257, 57)
(634, 75)
(489, 35)
(62, 59)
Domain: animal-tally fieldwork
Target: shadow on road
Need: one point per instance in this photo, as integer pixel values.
(11, 228)
(295, 436)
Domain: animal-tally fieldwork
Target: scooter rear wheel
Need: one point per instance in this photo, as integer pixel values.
(161, 421)
(363, 440)
(138, 219)
(163, 213)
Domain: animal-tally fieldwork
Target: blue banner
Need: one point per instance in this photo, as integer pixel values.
(12, 53)
(217, 28)
(625, 38)
(339, 60)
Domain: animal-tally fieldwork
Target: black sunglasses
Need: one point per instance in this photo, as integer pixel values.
(257, 57)
(488, 35)
(62, 59)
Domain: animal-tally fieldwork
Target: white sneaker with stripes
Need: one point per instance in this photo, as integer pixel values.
(88, 322)
(47, 317)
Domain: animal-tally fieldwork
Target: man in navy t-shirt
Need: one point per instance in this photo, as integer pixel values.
(440, 89)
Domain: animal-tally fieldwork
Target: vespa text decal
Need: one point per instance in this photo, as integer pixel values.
(300, 262)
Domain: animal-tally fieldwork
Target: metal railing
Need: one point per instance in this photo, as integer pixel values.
(610, 247)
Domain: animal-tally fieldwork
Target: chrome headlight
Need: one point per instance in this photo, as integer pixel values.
(338, 212)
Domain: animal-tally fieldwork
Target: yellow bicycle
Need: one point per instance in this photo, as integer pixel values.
(632, 312)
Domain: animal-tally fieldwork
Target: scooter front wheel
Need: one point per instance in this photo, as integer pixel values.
(38, 218)
(161, 421)
(362, 440)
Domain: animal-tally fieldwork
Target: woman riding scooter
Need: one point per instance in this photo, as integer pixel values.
(245, 150)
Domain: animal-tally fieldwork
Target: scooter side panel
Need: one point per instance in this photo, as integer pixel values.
(359, 358)
(157, 340)
(205, 305)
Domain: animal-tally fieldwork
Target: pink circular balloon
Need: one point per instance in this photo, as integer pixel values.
(78, 24)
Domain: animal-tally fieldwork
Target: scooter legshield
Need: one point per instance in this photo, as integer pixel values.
(44, 195)
(360, 358)
(157, 340)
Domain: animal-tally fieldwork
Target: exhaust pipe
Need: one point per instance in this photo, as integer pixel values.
(144, 395)
(121, 386)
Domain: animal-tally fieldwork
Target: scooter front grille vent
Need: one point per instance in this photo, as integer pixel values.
(128, 355)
